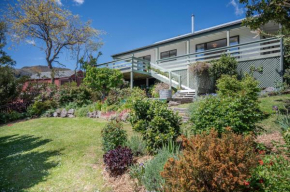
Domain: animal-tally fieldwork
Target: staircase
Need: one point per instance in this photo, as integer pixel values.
(174, 79)
(183, 113)
(137, 65)
(183, 96)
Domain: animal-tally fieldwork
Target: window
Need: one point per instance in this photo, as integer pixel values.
(214, 45)
(141, 66)
(147, 57)
(168, 54)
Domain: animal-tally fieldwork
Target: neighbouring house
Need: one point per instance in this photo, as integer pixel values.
(168, 60)
(61, 77)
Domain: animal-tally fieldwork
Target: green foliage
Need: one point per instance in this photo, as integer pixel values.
(11, 116)
(69, 93)
(5, 60)
(155, 122)
(284, 122)
(137, 172)
(270, 10)
(240, 113)
(113, 135)
(232, 87)
(10, 87)
(137, 145)
(39, 107)
(85, 109)
(287, 76)
(152, 179)
(103, 79)
(236, 106)
(226, 65)
(272, 174)
(120, 99)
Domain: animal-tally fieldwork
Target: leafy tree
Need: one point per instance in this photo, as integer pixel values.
(103, 79)
(5, 60)
(46, 24)
(270, 10)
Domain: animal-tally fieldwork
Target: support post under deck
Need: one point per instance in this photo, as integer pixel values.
(132, 74)
(170, 83)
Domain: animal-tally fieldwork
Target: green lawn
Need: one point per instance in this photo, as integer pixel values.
(52, 154)
(269, 124)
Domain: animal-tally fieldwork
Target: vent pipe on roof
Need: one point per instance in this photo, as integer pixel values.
(192, 23)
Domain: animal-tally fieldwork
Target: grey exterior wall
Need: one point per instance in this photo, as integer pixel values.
(272, 70)
(272, 73)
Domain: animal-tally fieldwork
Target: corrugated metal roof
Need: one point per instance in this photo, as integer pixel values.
(47, 75)
(217, 27)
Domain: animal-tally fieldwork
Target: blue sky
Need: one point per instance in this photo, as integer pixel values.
(131, 24)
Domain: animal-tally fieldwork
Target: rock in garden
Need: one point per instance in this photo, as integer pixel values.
(71, 116)
(125, 117)
(55, 114)
(58, 111)
(71, 111)
(98, 114)
(270, 89)
(113, 117)
(63, 113)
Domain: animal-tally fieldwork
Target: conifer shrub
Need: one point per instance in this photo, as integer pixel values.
(118, 160)
(210, 162)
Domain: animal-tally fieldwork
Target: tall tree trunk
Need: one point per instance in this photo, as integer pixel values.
(52, 72)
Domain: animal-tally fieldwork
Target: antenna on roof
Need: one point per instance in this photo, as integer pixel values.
(192, 23)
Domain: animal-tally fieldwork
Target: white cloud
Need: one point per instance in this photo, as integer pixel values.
(31, 42)
(79, 2)
(238, 10)
(58, 2)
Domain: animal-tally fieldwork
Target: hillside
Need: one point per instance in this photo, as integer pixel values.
(29, 70)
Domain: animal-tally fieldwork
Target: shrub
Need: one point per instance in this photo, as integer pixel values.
(71, 93)
(137, 172)
(241, 113)
(128, 96)
(118, 160)
(199, 67)
(231, 86)
(39, 107)
(137, 145)
(155, 122)
(83, 111)
(103, 79)
(152, 179)
(236, 105)
(226, 65)
(11, 116)
(272, 174)
(113, 135)
(210, 162)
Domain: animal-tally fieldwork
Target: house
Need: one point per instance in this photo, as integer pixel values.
(61, 77)
(169, 60)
